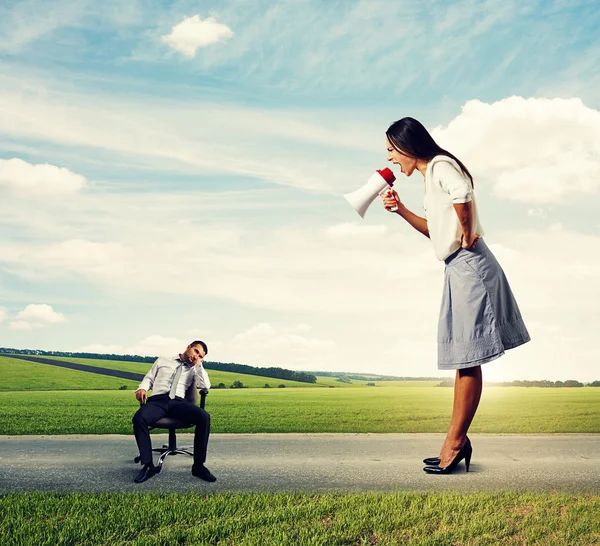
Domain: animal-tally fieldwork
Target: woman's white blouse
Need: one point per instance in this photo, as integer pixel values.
(445, 185)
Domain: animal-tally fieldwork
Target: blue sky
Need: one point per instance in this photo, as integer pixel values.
(175, 170)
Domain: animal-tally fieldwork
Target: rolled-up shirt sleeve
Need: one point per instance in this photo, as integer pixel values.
(149, 378)
(202, 380)
(453, 182)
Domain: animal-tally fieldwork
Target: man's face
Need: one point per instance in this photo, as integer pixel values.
(193, 355)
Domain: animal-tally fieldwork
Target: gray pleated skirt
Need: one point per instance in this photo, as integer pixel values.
(479, 316)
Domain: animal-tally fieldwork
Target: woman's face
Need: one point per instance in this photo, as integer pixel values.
(407, 164)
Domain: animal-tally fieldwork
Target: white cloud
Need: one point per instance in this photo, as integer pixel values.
(82, 256)
(3, 314)
(352, 229)
(291, 268)
(157, 345)
(20, 325)
(41, 313)
(99, 348)
(193, 33)
(260, 345)
(403, 349)
(153, 345)
(30, 20)
(351, 46)
(534, 150)
(188, 136)
(38, 180)
(538, 212)
(37, 316)
(374, 297)
(287, 347)
(372, 303)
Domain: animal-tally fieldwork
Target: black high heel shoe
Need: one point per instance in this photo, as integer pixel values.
(465, 453)
(432, 460)
(435, 461)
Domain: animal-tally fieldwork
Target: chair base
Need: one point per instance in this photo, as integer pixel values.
(168, 449)
(165, 451)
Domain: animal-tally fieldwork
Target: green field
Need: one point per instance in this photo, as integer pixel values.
(44, 399)
(384, 409)
(426, 519)
(326, 381)
(19, 375)
(217, 376)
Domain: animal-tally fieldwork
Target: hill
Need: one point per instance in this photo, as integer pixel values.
(274, 373)
(19, 375)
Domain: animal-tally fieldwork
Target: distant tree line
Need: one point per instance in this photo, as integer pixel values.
(276, 373)
(239, 385)
(570, 383)
(128, 358)
(371, 377)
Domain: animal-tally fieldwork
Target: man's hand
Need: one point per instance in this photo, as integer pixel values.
(141, 396)
(469, 242)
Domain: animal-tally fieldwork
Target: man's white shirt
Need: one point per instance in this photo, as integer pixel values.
(158, 379)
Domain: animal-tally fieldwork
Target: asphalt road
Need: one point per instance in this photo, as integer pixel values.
(304, 462)
(80, 367)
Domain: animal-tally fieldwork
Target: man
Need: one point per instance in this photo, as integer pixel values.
(169, 378)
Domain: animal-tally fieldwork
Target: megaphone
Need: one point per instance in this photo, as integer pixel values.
(379, 183)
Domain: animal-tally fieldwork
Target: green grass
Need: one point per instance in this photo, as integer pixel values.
(53, 378)
(383, 409)
(123, 365)
(20, 375)
(24, 375)
(327, 381)
(406, 518)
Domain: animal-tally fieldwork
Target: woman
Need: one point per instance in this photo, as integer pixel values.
(479, 317)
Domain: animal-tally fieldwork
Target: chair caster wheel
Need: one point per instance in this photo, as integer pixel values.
(136, 459)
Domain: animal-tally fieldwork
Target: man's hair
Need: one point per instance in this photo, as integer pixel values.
(194, 343)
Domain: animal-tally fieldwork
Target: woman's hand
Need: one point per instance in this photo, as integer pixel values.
(469, 242)
(391, 201)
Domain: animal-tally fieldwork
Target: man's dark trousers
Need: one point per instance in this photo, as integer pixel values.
(159, 406)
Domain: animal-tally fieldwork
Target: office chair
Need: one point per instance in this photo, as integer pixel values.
(191, 395)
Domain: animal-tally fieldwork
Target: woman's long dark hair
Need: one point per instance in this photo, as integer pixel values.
(410, 137)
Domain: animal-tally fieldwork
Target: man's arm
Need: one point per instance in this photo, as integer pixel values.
(201, 378)
(147, 382)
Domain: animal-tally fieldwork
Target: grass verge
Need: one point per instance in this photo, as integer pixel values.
(407, 518)
(516, 410)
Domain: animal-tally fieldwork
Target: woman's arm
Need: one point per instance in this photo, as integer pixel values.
(420, 224)
(464, 212)
(391, 200)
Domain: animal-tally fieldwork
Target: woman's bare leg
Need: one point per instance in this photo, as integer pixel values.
(467, 393)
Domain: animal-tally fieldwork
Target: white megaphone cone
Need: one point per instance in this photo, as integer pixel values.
(379, 183)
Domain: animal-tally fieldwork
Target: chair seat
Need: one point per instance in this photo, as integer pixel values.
(170, 422)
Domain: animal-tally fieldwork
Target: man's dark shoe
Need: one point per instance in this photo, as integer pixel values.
(203, 473)
(145, 473)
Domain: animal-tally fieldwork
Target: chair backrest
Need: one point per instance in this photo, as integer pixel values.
(191, 395)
